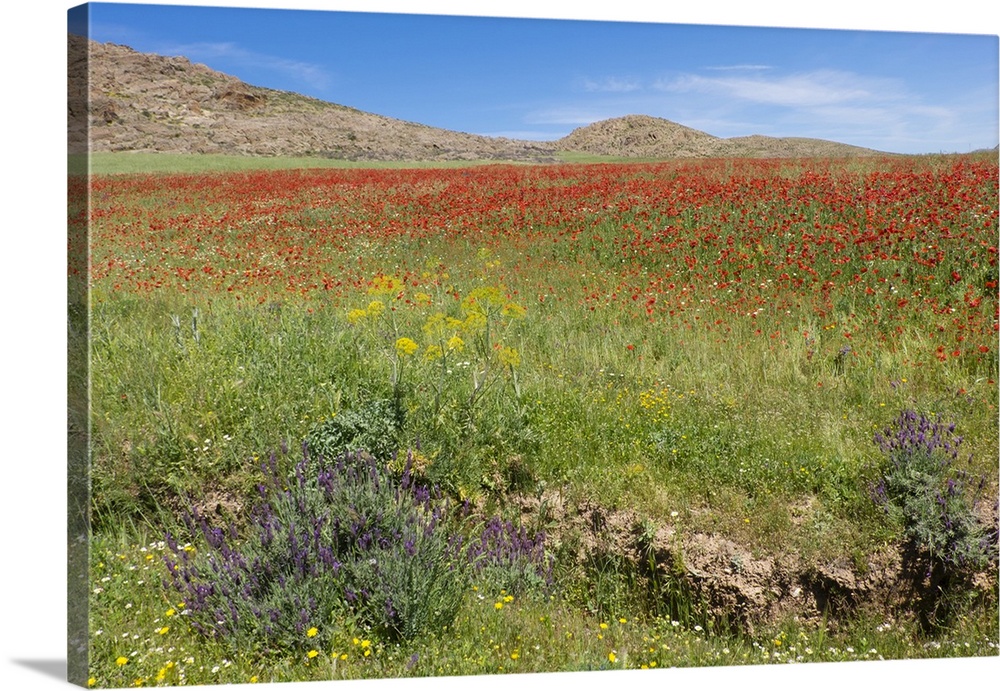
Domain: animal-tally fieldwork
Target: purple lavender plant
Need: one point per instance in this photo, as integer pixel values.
(343, 540)
(511, 559)
(922, 487)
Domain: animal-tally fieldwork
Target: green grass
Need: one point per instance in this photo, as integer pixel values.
(134, 163)
(137, 163)
(767, 440)
(139, 633)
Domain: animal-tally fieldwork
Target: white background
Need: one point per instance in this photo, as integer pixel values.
(32, 315)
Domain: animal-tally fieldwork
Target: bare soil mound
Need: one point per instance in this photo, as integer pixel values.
(747, 588)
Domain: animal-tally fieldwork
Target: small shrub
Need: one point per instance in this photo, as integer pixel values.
(373, 427)
(922, 487)
(336, 541)
(341, 543)
(506, 557)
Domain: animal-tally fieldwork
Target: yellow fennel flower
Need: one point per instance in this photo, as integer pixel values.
(375, 308)
(510, 356)
(406, 346)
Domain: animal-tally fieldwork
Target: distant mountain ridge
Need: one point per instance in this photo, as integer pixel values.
(143, 102)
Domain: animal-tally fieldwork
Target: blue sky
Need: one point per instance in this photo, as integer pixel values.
(904, 92)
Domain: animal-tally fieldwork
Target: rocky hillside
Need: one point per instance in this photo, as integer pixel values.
(141, 102)
(643, 136)
(639, 136)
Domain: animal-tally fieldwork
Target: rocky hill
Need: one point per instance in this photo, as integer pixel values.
(141, 102)
(643, 136)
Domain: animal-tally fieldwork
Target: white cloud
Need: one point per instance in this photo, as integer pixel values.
(749, 68)
(569, 116)
(307, 73)
(809, 89)
(612, 85)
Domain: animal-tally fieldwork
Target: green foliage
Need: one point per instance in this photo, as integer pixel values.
(373, 427)
(924, 490)
(338, 543)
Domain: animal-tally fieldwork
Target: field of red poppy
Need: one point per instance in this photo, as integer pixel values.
(719, 340)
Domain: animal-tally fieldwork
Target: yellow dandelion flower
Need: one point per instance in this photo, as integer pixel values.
(170, 612)
(604, 625)
(612, 657)
(498, 606)
(514, 655)
(164, 630)
(91, 681)
(121, 661)
(253, 679)
(312, 653)
(312, 632)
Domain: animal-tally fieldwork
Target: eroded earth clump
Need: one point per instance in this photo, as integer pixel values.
(732, 583)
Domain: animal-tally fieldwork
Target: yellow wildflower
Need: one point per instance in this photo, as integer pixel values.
(406, 346)
(513, 310)
(312, 632)
(121, 661)
(375, 308)
(510, 356)
(385, 285)
(312, 653)
(474, 322)
(433, 352)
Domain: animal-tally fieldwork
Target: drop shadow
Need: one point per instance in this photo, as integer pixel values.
(50, 668)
